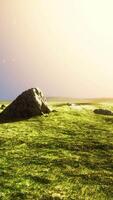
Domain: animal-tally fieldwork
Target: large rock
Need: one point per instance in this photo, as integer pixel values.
(30, 103)
(103, 112)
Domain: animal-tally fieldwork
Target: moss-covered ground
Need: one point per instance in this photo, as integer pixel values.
(66, 155)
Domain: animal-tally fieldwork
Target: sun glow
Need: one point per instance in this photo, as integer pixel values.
(58, 45)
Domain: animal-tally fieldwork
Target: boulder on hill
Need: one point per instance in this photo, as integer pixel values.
(103, 112)
(30, 103)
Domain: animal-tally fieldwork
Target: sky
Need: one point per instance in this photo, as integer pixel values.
(64, 47)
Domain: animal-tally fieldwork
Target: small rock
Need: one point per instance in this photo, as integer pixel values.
(103, 112)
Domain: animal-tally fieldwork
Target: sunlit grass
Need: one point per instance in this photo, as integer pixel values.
(67, 154)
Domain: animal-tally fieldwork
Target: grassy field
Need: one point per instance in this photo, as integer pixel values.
(65, 155)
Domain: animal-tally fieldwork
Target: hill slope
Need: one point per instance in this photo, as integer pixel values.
(64, 155)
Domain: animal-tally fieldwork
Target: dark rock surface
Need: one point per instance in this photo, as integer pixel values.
(103, 112)
(30, 103)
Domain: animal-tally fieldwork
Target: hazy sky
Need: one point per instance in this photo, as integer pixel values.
(65, 47)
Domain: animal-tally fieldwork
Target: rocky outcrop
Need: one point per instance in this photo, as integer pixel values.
(30, 103)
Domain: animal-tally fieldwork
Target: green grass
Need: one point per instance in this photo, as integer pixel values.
(64, 155)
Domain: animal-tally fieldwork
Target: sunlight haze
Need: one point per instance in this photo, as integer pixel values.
(64, 47)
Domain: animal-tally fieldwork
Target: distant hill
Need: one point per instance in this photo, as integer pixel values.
(77, 100)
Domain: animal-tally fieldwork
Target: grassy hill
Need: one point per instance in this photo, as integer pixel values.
(64, 155)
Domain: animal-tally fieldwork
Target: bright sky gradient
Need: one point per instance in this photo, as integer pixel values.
(64, 47)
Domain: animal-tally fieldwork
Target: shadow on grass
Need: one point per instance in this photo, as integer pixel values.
(85, 104)
(93, 155)
(4, 121)
(12, 120)
(109, 120)
(36, 160)
(38, 179)
(18, 195)
(68, 144)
